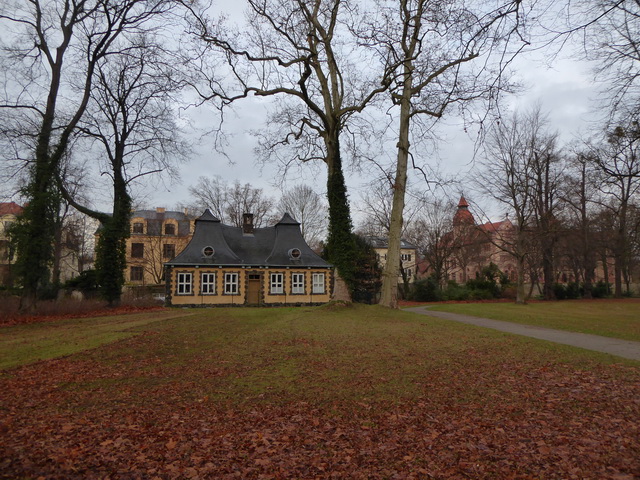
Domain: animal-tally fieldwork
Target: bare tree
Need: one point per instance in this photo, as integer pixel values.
(579, 195)
(618, 161)
(56, 46)
(431, 232)
(506, 176)
(305, 55)
(247, 199)
(307, 207)
(610, 32)
(376, 204)
(444, 55)
(230, 202)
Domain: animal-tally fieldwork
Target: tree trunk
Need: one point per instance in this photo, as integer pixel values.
(340, 242)
(520, 295)
(111, 255)
(547, 273)
(389, 293)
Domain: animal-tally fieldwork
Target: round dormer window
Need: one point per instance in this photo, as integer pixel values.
(295, 253)
(208, 252)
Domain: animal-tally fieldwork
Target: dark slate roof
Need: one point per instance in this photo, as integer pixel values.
(383, 242)
(268, 246)
(155, 220)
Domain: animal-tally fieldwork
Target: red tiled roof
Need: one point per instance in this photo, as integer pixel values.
(10, 208)
(463, 215)
(493, 226)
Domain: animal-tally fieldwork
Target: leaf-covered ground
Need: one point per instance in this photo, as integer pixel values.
(315, 393)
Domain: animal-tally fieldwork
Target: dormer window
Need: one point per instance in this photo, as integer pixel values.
(138, 227)
(208, 252)
(295, 253)
(169, 229)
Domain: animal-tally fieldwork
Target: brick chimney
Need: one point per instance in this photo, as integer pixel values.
(247, 223)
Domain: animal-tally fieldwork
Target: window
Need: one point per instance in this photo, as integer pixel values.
(297, 283)
(138, 228)
(318, 283)
(208, 251)
(169, 229)
(295, 253)
(208, 283)
(277, 283)
(168, 251)
(230, 283)
(184, 283)
(406, 257)
(136, 274)
(137, 250)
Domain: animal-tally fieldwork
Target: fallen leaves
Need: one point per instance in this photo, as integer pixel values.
(136, 411)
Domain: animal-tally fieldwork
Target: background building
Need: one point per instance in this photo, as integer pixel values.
(157, 236)
(408, 256)
(9, 212)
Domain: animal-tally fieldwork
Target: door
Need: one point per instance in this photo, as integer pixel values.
(254, 284)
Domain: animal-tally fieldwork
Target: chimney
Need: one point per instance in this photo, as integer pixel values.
(247, 223)
(160, 210)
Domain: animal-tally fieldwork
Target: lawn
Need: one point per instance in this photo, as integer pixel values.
(609, 318)
(326, 392)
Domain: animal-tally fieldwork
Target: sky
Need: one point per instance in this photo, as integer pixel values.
(563, 85)
(565, 90)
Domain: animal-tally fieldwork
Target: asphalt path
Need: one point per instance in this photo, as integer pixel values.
(614, 346)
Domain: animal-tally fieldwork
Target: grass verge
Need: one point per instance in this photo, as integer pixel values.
(609, 318)
(24, 344)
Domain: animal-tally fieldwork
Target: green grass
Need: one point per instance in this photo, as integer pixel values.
(248, 355)
(24, 344)
(609, 318)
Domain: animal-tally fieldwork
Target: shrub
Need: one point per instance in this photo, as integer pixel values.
(489, 284)
(574, 290)
(87, 281)
(426, 290)
(560, 291)
(456, 292)
(601, 289)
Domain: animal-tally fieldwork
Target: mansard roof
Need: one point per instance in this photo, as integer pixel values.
(269, 247)
(383, 242)
(156, 218)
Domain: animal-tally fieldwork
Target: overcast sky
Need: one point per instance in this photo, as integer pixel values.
(565, 90)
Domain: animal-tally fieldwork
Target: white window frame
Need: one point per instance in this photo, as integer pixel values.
(207, 283)
(298, 281)
(184, 283)
(318, 280)
(276, 283)
(231, 283)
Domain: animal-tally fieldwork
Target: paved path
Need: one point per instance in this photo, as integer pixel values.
(613, 346)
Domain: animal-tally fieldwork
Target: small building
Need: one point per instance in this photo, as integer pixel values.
(224, 265)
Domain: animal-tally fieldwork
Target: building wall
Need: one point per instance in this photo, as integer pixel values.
(148, 269)
(408, 257)
(223, 295)
(7, 256)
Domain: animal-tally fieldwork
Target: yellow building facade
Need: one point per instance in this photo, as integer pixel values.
(231, 266)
